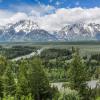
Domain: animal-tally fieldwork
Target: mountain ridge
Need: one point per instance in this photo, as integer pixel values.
(30, 31)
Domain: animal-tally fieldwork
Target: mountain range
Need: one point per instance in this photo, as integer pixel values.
(29, 31)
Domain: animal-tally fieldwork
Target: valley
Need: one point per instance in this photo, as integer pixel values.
(52, 64)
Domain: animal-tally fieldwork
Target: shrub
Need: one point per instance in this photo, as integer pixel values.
(69, 94)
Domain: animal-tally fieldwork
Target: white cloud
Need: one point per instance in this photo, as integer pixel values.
(18, 16)
(38, 9)
(25, 11)
(10, 17)
(50, 18)
(43, 9)
(65, 16)
(5, 14)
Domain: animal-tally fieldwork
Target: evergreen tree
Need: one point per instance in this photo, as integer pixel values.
(3, 64)
(22, 79)
(38, 81)
(1, 88)
(78, 75)
(32, 79)
(9, 86)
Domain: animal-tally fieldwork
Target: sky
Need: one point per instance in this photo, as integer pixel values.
(6, 4)
(50, 14)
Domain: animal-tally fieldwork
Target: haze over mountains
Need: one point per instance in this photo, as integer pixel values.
(30, 31)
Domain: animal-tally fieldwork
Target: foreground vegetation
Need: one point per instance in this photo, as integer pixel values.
(30, 79)
(16, 51)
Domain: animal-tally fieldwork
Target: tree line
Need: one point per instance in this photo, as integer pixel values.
(27, 79)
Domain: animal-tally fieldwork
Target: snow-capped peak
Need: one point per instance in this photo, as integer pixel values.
(25, 26)
(27, 30)
(79, 31)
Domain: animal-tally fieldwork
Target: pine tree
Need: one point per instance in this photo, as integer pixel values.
(1, 88)
(32, 79)
(78, 74)
(22, 80)
(3, 65)
(38, 81)
(9, 86)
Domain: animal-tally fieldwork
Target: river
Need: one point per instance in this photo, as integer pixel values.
(38, 52)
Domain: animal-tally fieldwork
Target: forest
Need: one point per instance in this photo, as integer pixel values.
(34, 78)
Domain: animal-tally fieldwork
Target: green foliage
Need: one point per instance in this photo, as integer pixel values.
(28, 79)
(98, 98)
(1, 88)
(28, 97)
(3, 64)
(22, 79)
(55, 93)
(15, 51)
(69, 94)
(32, 79)
(39, 83)
(78, 75)
(9, 86)
(54, 53)
(56, 74)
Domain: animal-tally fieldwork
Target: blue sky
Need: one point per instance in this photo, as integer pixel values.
(6, 4)
(50, 14)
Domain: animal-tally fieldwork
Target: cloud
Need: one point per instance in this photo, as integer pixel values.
(50, 18)
(43, 9)
(5, 14)
(65, 16)
(18, 16)
(24, 12)
(11, 17)
(40, 9)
